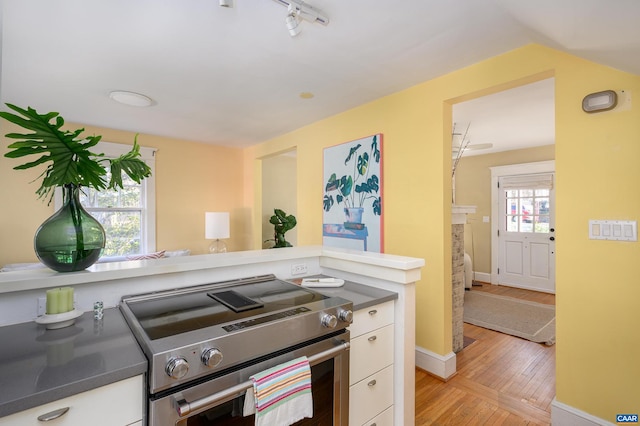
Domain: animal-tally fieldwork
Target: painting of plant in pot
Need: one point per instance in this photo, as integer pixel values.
(352, 202)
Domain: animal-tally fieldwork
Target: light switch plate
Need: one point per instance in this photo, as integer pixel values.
(615, 230)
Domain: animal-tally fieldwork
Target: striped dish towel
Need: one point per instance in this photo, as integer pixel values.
(281, 395)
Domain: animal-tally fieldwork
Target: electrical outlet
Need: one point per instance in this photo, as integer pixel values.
(42, 306)
(299, 269)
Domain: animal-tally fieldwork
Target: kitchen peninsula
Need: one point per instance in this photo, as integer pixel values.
(21, 290)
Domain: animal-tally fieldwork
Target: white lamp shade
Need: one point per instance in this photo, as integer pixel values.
(216, 225)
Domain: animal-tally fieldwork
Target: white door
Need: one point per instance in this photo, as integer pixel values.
(526, 233)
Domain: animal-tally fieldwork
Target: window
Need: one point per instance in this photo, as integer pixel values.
(527, 202)
(128, 214)
(527, 210)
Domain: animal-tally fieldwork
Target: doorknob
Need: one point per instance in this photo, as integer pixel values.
(552, 238)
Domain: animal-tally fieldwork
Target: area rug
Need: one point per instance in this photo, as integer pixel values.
(528, 320)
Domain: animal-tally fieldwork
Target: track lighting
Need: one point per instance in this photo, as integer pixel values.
(298, 10)
(292, 22)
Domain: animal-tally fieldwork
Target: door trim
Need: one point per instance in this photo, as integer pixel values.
(496, 173)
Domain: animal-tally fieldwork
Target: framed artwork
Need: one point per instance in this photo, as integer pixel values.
(352, 200)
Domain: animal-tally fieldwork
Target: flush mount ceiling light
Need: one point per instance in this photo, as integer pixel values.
(297, 11)
(226, 3)
(131, 98)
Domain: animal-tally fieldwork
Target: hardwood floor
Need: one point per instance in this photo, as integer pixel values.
(501, 379)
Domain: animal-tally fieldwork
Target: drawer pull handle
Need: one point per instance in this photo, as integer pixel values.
(53, 415)
(373, 312)
(372, 338)
(372, 383)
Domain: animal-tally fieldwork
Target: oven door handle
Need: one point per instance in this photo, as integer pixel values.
(184, 408)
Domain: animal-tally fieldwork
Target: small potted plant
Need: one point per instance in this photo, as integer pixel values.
(282, 223)
(353, 190)
(71, 239)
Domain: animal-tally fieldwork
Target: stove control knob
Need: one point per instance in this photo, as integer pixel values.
(177, 368)
(329, 321)
(211, 357)
(346, 316)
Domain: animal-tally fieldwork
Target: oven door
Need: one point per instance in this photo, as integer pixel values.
(220, 400)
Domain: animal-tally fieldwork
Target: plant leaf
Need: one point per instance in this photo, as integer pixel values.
(67, 157)
(377, 206)
(352, 151)
(346, 184)
(327, 202)
(375, 150)
(363, 163)
(131, 164)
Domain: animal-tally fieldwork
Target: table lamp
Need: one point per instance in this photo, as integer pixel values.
(216, 227)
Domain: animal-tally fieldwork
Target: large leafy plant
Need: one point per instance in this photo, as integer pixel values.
(354, 189)
(282, 223)
(68, 156)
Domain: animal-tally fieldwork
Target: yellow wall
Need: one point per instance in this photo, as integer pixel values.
(279, 189)
(597, 175)
(473, 188)
(191, 178)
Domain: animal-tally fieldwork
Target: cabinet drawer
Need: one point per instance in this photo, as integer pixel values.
(117, 404)
(370, 352)
(383, 419)
(368, 319)
(371, 396)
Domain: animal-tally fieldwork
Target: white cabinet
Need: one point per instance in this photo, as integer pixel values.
(116, 404)
(383, 419)
(371, 366)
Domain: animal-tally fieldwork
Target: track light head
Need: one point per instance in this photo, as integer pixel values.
(293, 25)
(298, 10)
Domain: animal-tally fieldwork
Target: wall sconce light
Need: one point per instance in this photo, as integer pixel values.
(216, 226)
(600, 101)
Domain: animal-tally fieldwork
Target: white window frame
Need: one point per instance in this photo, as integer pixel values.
(148, 211)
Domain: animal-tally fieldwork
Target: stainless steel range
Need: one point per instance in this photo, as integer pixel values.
(204, 342)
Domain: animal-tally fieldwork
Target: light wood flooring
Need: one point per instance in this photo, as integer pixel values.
(501, 379)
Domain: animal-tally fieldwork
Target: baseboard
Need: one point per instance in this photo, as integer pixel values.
(482, 277)
(566, 415)
(440, 366)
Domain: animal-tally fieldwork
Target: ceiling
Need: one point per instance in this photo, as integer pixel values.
(523, 117)
(233, 76)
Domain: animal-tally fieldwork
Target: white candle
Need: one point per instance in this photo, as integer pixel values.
(52, 301)
(67, 296)
(59, 300)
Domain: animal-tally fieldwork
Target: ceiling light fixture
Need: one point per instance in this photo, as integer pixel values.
(226, 3)
(131, 98)
(298, 10)
(293, 22)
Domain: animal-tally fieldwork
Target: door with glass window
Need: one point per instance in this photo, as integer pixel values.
(526, 233)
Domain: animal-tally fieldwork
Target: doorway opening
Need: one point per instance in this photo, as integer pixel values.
(510, 127)
(279, 191)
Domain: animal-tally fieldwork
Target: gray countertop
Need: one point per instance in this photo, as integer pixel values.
(38, 366)
(361, 295)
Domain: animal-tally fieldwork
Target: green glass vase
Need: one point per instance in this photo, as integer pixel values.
(71, 239)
